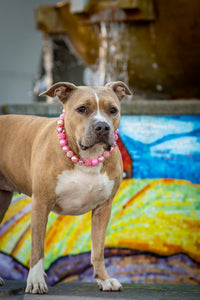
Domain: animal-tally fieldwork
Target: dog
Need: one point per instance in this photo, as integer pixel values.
(69, 165)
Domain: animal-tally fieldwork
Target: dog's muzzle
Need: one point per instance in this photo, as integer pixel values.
(98, 133)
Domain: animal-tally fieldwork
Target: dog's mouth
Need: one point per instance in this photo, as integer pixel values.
(106, 146)
(83, 147)
(91, 141)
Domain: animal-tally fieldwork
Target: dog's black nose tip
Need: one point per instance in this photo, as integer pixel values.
(102, 128)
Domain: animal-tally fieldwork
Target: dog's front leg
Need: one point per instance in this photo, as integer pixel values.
(100, 219)
(36, 278)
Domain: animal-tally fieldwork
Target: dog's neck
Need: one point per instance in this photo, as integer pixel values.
(82, 161)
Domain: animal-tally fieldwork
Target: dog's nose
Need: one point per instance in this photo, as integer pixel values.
(102, 128)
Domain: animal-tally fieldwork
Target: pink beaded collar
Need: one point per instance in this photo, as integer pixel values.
(75, 158)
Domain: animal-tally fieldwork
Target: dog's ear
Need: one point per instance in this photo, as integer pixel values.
(120, 89)
(61, 89)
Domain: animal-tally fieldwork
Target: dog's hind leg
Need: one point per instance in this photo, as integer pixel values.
(5, 199)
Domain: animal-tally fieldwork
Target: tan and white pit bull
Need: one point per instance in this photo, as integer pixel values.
(33, 162)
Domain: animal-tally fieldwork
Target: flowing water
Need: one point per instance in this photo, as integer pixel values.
(112, 62)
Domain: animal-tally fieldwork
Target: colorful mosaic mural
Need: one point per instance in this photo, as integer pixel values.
(163, 147)
(154, 231)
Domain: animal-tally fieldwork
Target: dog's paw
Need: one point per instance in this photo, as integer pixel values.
(36, 280)
(110, 284)
(36, 287)
(2, 282)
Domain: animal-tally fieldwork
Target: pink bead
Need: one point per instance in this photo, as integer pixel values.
(112, 149)
(65, 149)
(94, 161)
(75, 158)
(101, 159)
(63, 142)
(60, 122)
(116, 137)
(63, 111)
(61, 136)
(88, 162)
(62, 116)
(117, 131)
(60, 129)
(106, 154)
(81, 162)
(70, 154)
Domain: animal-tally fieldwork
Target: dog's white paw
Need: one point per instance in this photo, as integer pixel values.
(36, 282)
(36, 287)
(110, 284)
(2, 282)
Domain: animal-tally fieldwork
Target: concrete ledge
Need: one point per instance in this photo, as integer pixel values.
(89, 291)
(139, 107)
(161, 107)
(35, 108)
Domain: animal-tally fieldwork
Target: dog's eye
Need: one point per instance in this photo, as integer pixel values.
(82, 110)
(113, 110)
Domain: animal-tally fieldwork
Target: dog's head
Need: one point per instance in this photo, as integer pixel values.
(92, 113)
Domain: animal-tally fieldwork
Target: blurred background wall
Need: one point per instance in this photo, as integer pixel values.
(20, 49)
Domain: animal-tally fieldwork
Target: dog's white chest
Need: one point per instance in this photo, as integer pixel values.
(81, 190)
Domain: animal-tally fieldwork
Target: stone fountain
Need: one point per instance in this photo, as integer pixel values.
(153, 45)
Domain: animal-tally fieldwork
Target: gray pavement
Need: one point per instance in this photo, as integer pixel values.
(14, 290)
